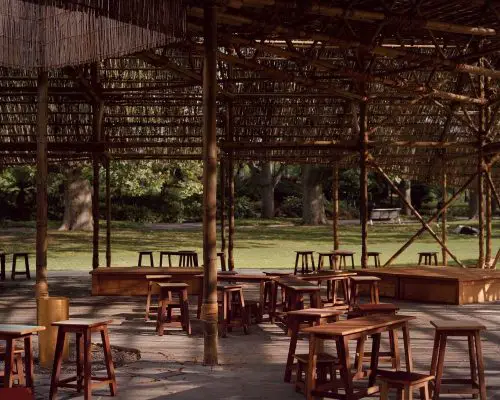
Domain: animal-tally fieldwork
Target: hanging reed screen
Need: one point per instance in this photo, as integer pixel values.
(54, 33)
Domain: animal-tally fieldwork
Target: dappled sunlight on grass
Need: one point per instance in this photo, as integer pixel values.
(266, 244)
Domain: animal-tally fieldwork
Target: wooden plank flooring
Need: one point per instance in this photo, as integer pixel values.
(258, 359)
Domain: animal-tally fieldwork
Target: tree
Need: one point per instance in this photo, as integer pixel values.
(406, 189)
(267, 175)
(77, 202)
(313, 206)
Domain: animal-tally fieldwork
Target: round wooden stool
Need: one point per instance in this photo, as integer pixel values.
(146, 253)
(83, 328)
(427, 257)
(330, 257)
(26, 272)
(232, 303)
(376, 257)
(471, 331)
(151, 279)
(305, 256)
(166, 304)
(343, 254)
(311, 317)
(404, 383)
(371, 281)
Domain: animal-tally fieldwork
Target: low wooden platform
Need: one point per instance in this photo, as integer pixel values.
(447, 285)
(131, 281)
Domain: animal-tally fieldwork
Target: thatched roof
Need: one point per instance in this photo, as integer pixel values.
(291, 78)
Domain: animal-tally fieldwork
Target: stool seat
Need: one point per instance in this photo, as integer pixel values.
(365, 278)
(403, 377)
(228, 286)
(343, 254)
(373, 253)
(404, 383)
(453, 325)
(83, 322)
(371, 281)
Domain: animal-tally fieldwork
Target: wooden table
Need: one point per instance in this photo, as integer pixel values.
(354, 329)
(331, 277)
(259, 278)
(11, 333)
(295, 290)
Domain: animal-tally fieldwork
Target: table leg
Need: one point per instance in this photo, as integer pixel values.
(9, 362)
(148, 298)
(480, 366)
(345, 365)
(407, 344)
(162, 308)
(28, 362)
(262, 289)
(472, 360)
(360, 352)
(56, 369)
(440, 362)
(79, 362)
(2, 267)
(316, 300)
(394, 345)
(87, 363)
(274, 299)
(293, 326)
(110, 368)
(311, 368)
(374, 359)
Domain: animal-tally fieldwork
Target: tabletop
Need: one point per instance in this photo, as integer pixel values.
(326, 275)
(19, 330)
(155, 277)
(293, 283)
(249, 277)
(456, 325)
(86, 322)
(357, 325)
(316, 312)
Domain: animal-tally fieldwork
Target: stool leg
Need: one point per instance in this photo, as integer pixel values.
(394, 346)
(419, 259)
(320, 262)
(139, 262)
(352, 261)
(148, 301)
(2, 267)
(161, 259)
(79, 362)
(424, 392)
(151, 259)
(162, 308)
(472, 359)
(246, 326)
(439, 369)
(312, 263)
(435, 259)
(200, 303)
(56, 369)
(376, 292)
(185, 311)
(27, 265)
(9, 363)
(384, 391)
(480, 366)
(18, 362)
(408, 394)
(28, 363)
(87, 360)
(296, 264)
(14, 260)
(108, 359)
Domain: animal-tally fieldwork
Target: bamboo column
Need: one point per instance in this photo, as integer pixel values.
(230, 181)
(488, 215)
(444, 233)
(209, 308)
(363, 187)
(108, 212)
(335, 206)
(480, 165)
(222, 172)
(98, 111)
(42, 287)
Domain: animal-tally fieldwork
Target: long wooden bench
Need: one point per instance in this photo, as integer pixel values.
(132, 281)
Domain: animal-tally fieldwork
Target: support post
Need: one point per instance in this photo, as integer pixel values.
(108, 212)
(335, 205)
(42, 287)
(222, 185)
(363, 187)
(230, 181)
(444, 214)
(209, 308)
(488, 215)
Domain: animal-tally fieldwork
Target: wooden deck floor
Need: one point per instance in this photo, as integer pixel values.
(252, 366)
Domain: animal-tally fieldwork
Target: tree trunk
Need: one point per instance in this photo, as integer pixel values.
(267, 190)
(407, 191)
(313, 207)
(472, 200)
(77, 203)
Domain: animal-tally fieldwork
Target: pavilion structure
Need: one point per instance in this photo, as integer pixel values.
(401, 87)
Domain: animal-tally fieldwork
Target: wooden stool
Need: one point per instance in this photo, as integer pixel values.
(166, 304)
(222, 257)
(371, 281)
(376, 257)
(392, 356)
(427, 257)
(331, 290)
(326, 369)
(151, 279)
(253, 311)
(343, 254)
(15, 256)
(459, 328)
(18, 369)
(2, 266)
(232, 302)
(330, 257)
(404, 383)
(311, 317)
(305, 256)
(16, 393)
(83, 328)
(146, 253)
(188, 258)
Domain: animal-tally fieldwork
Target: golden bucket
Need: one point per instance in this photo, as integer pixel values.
(49, 310)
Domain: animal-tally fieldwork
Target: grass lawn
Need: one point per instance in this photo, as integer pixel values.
(258, 244)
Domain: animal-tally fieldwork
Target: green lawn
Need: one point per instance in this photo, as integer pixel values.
(258, 244)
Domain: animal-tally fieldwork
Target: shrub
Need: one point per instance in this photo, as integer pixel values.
(291, 207)
(245, 208)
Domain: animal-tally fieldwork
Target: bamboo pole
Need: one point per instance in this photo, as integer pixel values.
(42, 287)
(98, 114)
(108, 212)
(416, 213)
(493, 188)
(335, 206)
(363, 187)
(222, 176)
(209, 308)
(444, 214)
(488, 215)
(480, 167)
